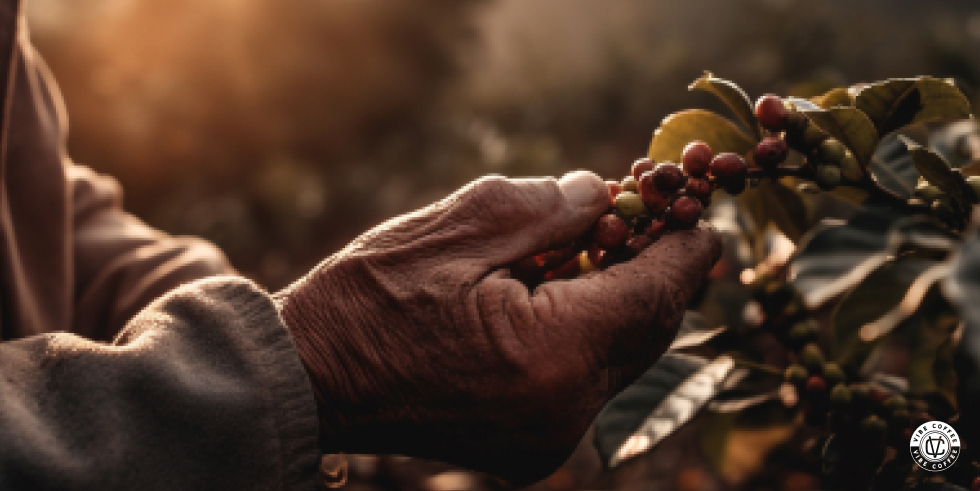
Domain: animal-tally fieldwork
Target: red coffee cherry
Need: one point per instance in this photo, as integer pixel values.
(771, 112)
(771, 152)
(816, 384)
(696, 157)
(698, 188)
(614, 189)
(685, 212)
(656, 229)
(652, 197)
(728, 167)
(668, 177)
(640, 166)
(611, 232)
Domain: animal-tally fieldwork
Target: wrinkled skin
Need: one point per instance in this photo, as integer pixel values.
(419, 342)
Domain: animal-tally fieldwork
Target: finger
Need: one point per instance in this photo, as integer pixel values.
(628, 314)
(516, 218)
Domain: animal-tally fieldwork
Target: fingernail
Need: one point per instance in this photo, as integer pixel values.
(583, 189)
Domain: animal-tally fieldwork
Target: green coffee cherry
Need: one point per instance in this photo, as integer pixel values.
(812, 358)
(974, 182)
(796, 375)
(873, 427)
(850, 168)
(827, 176)
(834, 374)
(803, 331)
(808, 188)
(631, 184)
(629, 204)
(928, 192)
(896, 402)
(830, 150)
(840, 396)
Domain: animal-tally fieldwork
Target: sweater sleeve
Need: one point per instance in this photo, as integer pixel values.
(121, 264)
(203, 389)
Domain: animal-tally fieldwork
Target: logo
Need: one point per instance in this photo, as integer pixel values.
(935, 446)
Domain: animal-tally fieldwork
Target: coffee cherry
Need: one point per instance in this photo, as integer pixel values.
(833, 373)
(611, 232)
(850, 168)
(630, 204)
(812, 358)
(840, 396)
(827, 176)
(928, 192)
(685, 212)
(728, 167)
(637, 243)
(668, 177)
(698, 188)
(803, 331)
(695, 158)
(796, 375)
(816, 385)
(640, 166)
(655, 229)
(830, 150)
(976, 482)
(771, 152)
(654, 199)
(974, 182)
(614, 189)
(895, 402)
(630, 184)
(771, 112)
(873, 427)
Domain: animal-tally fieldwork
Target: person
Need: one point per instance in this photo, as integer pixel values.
(134, 360)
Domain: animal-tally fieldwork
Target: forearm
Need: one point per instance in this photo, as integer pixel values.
(201, 390)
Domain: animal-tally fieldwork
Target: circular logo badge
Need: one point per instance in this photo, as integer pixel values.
(934, 446)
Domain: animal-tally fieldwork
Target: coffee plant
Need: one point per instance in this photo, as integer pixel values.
(846, 310)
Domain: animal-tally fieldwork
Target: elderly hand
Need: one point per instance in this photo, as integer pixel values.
(419, 342)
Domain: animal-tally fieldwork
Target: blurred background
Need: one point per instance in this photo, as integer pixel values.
(281, 130)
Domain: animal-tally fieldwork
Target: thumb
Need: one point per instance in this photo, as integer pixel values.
(530, 216)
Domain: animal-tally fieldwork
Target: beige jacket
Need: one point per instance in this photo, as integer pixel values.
(202, 389)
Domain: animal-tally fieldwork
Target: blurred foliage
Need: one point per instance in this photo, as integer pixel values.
(282, 130)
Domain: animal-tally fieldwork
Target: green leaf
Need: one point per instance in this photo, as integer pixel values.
(852, 127)
(874, 297)
(935, 170)
(773, 203)
(962, 289)
(733, 96)
(664, 399)
(679, 129)
(895, 103)
(835, 97)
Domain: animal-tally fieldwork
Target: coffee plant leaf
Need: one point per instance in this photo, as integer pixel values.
(962, 289)
(939, 173)
(895, 103)
(931, 368)
(892, 168)
(664, 399)
(681, 128)
(695, 331)
(834, 98)
(852, 127)
(871, 299)
(802, 104)
(832, 250)
(772, 203)
(733, 96)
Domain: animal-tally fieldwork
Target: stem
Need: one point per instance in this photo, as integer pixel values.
(758, 366)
